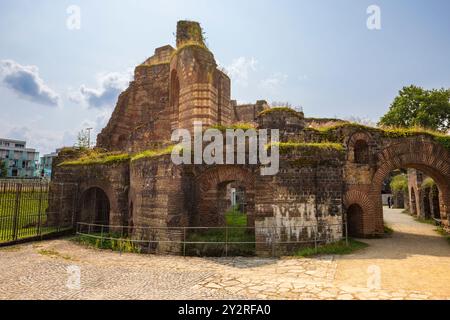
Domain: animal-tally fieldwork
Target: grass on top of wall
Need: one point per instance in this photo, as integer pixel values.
(236, 126)
(188, 44)
(280, 109)
(439, 137)
(93, 157)
(338, 248)
(286, 147)
(148, 154)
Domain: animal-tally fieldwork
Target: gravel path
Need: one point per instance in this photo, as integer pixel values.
(414, 264)
(415, 257)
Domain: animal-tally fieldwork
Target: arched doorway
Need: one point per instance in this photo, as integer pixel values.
(218, 190)
(94, 207)
(354, 220)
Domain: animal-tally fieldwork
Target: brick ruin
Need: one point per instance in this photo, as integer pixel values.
(329, 175)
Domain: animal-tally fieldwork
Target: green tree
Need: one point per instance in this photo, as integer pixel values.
(3, 169)
(83, 139)
(399, 183)
(415, 106)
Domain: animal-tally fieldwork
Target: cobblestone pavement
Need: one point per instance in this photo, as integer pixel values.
(40, 271)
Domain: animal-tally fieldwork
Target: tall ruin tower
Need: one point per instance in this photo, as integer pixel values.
(198, 90)
(171, 90)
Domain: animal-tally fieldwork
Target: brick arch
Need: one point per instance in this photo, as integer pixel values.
(356, 138)
(418, 153)
(208, 184)
(360, 198)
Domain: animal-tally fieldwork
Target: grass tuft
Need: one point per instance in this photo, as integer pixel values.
(153, 153)
(338, 248)
(280, 109)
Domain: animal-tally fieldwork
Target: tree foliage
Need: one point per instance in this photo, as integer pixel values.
(3, 169)
(83, 139)
(399, 183)
(417, 107)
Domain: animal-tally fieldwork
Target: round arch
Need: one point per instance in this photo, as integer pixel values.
(417, 153)
(210, 185)
(94, 206)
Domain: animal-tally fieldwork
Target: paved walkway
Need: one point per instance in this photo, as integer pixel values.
(414, 264)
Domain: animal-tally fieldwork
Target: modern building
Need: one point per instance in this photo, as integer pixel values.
(21, 162)
(45, 166)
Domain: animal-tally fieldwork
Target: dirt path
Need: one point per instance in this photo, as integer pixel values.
(415, 257)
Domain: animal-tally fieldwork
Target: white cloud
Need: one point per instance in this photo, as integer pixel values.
(26, 83)
(240, 68)
(274, 82)
(110, 85)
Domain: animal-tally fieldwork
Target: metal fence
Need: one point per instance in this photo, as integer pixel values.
(211, 241)
(24, 211)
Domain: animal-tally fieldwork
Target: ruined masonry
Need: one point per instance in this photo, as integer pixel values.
(331, 171)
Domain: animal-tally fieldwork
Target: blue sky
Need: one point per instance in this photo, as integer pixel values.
(317, 54)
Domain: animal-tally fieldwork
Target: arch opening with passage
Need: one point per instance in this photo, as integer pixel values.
(94, 207)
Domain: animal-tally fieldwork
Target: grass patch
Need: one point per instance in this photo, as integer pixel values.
(236, 231)
(189, 44)
(280, 109)
(388, 230)
(328, 132)
(94, 157)
(152, 153)
(337, 248)
(443, 233)
(111, 241)
(426, 221)
(241, 125)
(30, 218)
(53, 254)
(308, 148)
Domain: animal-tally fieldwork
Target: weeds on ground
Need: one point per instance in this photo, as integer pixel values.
(337, 248)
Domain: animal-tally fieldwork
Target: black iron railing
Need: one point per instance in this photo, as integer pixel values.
(24, 210)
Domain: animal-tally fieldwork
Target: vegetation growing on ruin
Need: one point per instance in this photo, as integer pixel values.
(211, 242)
(339, 248)
(280, 109)
(94, 157)
(328, 133)
(110, 241)
(399, 183)
(235, 126)
(98, 157)
(308, 148)
(188, 44)
(152, 153)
